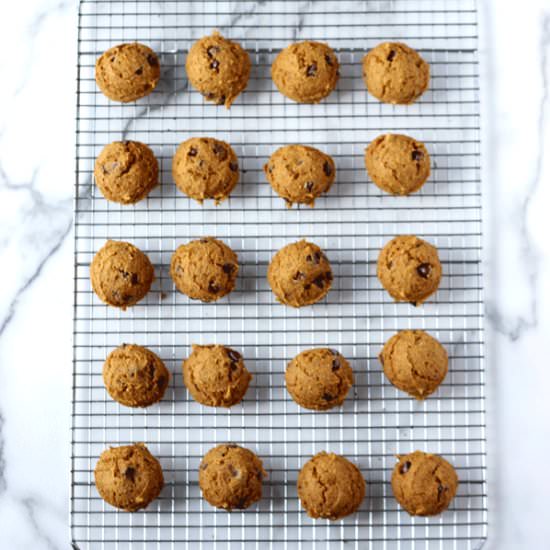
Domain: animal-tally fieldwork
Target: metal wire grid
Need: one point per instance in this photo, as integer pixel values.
(351, 224)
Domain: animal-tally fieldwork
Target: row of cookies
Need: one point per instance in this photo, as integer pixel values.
(206, 168)
(299, 274)
(305, 72)
(230, 477)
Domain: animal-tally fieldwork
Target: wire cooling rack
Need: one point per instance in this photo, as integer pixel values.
(351, 224)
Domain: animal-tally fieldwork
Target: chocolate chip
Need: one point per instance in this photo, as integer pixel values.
(152, 60)
(134, 279)
(139, 71)
(233, 166)
(328, 276)
(307, 287)
(161, 381)
(204, 241)
(233, 367)
(212, 51)
(192, 152)
(241, 504)
(221, 100)
(319, 281)
(231, 446)
(220, 151)
(130, 474)
(213, 288)
(405, 467)
(327, 169)
(328, 397)
(417, 155)
(209, 95)
(424, 270)
(215, 65)
(259, 475)
(317, 257)
(312, 70)
(328, 59)
(234, 355)
(308, 185)
(228, 268)
(391, 55)
(335, 365)
(309, 258)
(112, 59)
(298, 276)
(233, 471)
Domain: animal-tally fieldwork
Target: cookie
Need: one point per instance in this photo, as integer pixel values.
(414, 362)
(395, 73)
(205, 168)
(121, 274)
(299, 274)
(330, 487)
(134, 376)
(319, 379)
(215, 375)
(126, 171)
(397, 164)
(128, 477)
(205, 269)
(230, 477)
(300, 174)
(409, 269)
(218, 68)
(306, 72)
(424, 484)
(127, 72)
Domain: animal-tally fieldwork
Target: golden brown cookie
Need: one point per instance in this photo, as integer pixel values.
(215, 375)
(414, 362)
(135, 376)
(398, 164)
(300, 174)
(230, 477)
(300, 274)
(126, 171)
(127, 72)
(218, 68)
(395, 73)
(306, 72)
(205, 168)
(121, 274)
(330, 486)
(128, 477)
(205, 269)
(409, 269)
(424, 484)
(319, 379)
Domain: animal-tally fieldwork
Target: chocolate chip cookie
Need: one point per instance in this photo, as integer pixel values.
(300, 174)
(128, 477)
(127, 72)
(230, 477)
(424, 484)
(121, 274)
(306, 72)
(205, 168)
(409, 269)
(218, 68)
(319, 379)
(205, 269)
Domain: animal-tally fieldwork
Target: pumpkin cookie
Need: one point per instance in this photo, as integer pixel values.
(424, 484)
(128, 477)
(397, 164)
(135, 376)
(395, 73)
(330, 487)
(126, 171)
(409, 269)
(230, 477)
(300, 174)
(127, 72)
(218, 68)
(300, 274)
(205, 168)
(216, 376)
(205, 269)
(319, 379)
(121, 274)
(306, 72)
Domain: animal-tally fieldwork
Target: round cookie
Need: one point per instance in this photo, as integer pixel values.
(414, 362)
(397, 164)
(395, 73)
(300, 174)
(127, 72)
(300, 274)
(135, 376)
(319, 379)
(424, 484)
(121, 274)
(205, 168)
(409, 269)
(306, 72)
(215, 375)
(218, 68)
(205, 269)
(126, 171)
(330, 487)
(128, 477)
(230, 477)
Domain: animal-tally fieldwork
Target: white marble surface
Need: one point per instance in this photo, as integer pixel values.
(38, 57)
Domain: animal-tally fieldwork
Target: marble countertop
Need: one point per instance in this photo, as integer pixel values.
(38, 58)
